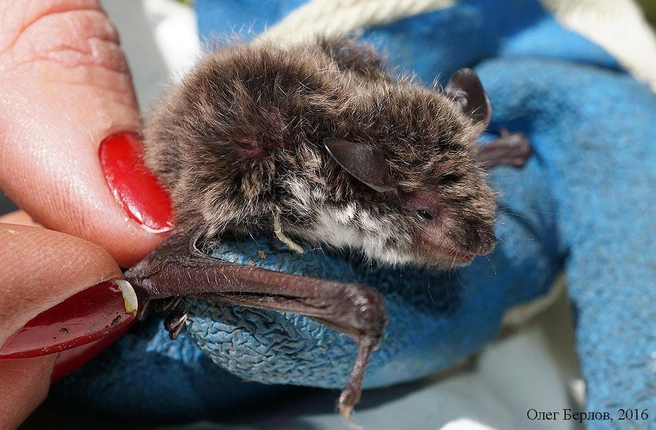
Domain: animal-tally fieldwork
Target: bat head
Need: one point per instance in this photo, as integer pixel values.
(422, 197)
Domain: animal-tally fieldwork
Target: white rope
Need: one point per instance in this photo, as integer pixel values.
(332, 18)
(618, 26)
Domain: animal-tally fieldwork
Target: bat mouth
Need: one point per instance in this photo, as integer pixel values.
(446, 254)
(444, 250)
(464, 257)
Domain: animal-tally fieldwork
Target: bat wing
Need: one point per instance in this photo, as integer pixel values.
(178, 268)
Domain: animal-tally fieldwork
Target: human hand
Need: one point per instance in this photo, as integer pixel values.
(67, 111)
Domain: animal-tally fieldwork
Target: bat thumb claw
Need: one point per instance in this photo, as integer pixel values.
(345, 412)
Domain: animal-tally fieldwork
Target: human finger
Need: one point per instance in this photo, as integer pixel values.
(69, 151)
(18, 217)
(58, 292)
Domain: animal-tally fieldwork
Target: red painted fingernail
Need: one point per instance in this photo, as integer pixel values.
(133, 185)
(85, 317)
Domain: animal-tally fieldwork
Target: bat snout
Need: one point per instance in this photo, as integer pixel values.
(487, 245)
(482, 241)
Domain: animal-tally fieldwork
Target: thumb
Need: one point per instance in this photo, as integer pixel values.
(66, 89)
(57, 291)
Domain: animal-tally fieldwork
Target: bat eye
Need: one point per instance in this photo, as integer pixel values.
(426, 214)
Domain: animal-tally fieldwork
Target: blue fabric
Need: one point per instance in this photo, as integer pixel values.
(593, 130)
(583, 204)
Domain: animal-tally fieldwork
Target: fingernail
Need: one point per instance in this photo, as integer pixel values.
(132, 184)
(83, 318)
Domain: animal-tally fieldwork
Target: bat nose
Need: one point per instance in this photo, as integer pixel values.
(486, 242)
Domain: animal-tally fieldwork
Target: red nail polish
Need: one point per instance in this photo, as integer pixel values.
(74, 358)
(85, 317)
(133, 185)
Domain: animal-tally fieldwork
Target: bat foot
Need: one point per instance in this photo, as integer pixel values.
(351, 393)
(509, 149)
(174, 323)
(518, 145)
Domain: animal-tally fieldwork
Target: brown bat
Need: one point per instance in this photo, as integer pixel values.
(320, 145)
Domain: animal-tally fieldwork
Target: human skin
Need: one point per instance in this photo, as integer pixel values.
(64, 88)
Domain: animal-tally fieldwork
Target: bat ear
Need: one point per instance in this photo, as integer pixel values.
(360, 58)
(466, 89)
(365, 163)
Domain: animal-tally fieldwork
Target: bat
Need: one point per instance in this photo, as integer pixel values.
(318, 144)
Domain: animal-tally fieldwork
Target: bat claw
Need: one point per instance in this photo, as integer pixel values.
(174, 323)
(345, 413)
(170, 304)
(143, 310)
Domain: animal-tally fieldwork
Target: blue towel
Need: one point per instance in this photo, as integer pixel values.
(583, 204)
